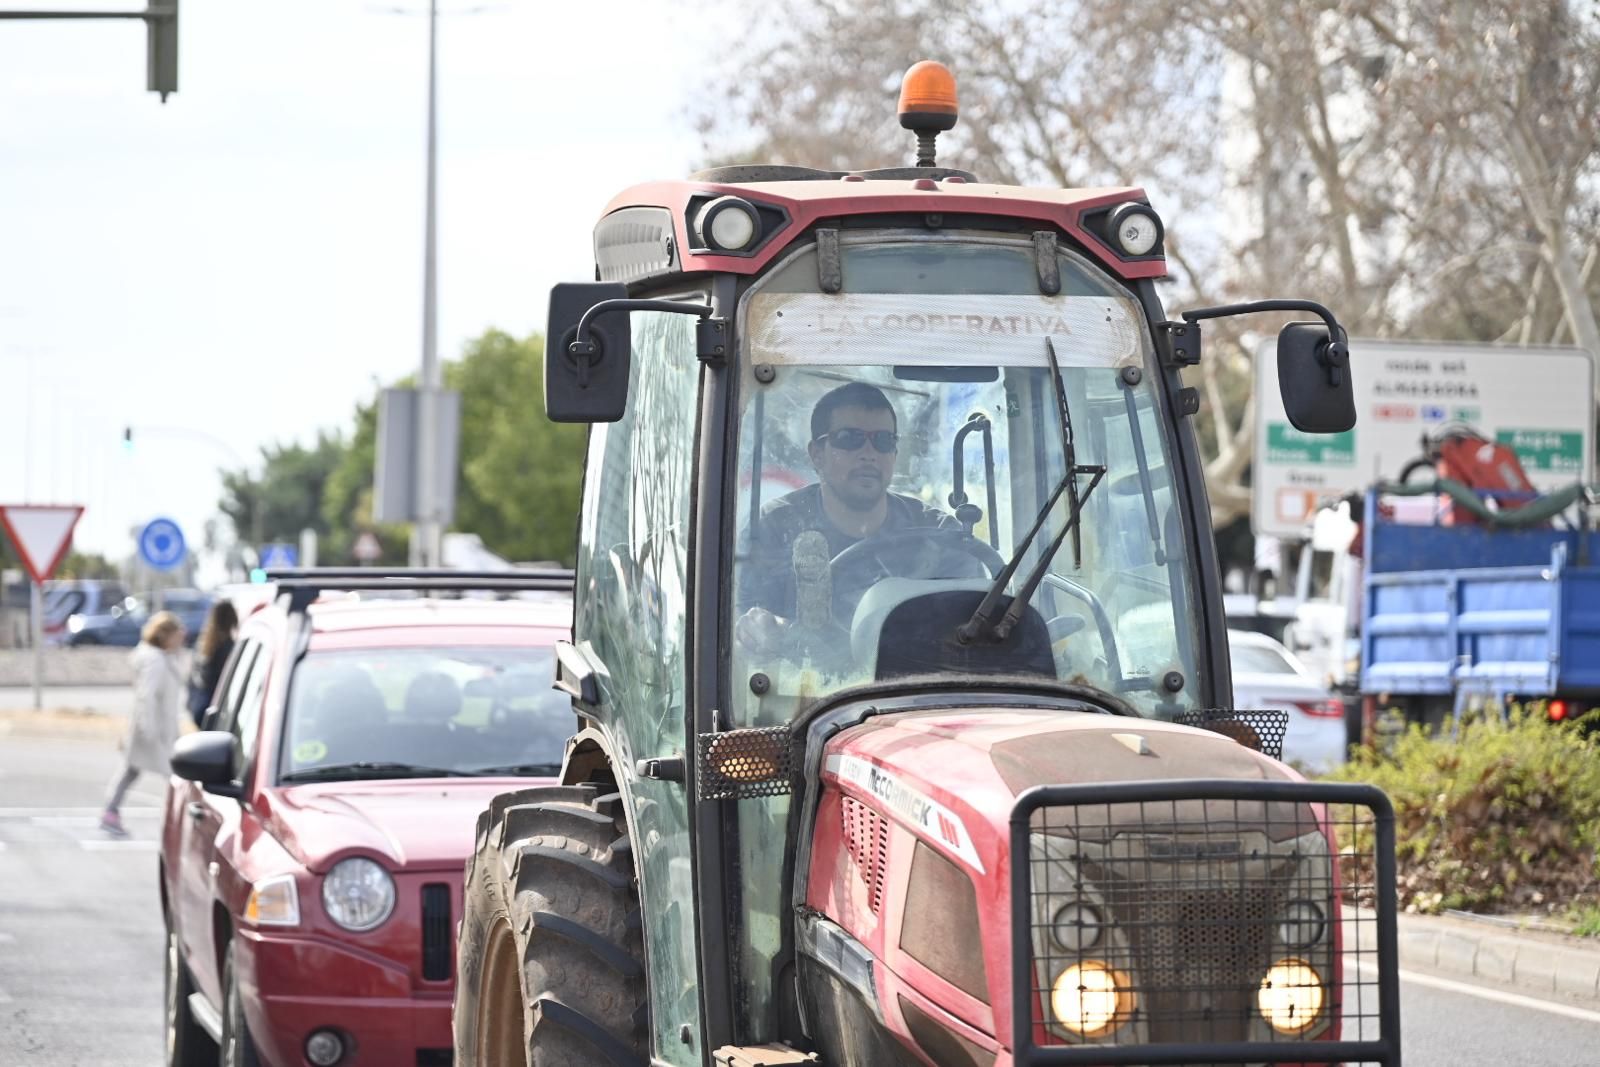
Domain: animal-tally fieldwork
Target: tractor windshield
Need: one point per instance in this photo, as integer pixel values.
(899, 440)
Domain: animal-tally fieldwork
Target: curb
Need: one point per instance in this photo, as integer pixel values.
(63, 724)
(1547, 964)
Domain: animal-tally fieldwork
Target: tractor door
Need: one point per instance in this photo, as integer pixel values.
(629, 622)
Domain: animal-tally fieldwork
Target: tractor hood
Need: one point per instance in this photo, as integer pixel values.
(955, 774)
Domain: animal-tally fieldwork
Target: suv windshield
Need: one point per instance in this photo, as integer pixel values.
(374, 713)
(899, 439)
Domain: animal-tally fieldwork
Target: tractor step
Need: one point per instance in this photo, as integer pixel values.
(762, 1056)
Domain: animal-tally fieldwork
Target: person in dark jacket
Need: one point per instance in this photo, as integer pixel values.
(214, 647)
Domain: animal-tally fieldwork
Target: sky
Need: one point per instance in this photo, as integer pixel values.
(242, 265)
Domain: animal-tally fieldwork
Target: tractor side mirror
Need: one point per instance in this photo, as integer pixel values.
(1314, 377)
(586, 378)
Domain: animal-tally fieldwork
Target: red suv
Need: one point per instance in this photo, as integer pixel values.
(315, 832)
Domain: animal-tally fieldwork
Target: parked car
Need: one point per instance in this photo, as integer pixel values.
(122, 622)
(1266, 675)
(117, 624)
(66, 597)
(316, 829)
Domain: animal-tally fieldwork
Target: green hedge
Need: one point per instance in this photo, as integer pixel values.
(1504, 817)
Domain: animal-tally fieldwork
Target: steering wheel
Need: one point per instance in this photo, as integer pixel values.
(904, 554)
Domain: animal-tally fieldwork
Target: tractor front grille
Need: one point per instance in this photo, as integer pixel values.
(1204, 922)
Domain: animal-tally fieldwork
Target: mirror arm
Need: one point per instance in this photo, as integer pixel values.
(1333, 354)
(710, 336)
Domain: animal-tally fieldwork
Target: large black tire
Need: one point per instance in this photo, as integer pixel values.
(187, 1044)
(237, 1048)
(549, 966)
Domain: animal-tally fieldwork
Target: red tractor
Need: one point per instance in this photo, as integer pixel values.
(876, 765)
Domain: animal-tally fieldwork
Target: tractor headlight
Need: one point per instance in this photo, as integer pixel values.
(1134, 229)
(1077, 926)
(1290, 997)
(728, 223)
(358, 894)
(1302, 925)
(1091, 999)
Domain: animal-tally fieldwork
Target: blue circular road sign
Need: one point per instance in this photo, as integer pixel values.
(161, 544)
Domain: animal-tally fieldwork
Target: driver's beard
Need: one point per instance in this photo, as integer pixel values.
(859, 498)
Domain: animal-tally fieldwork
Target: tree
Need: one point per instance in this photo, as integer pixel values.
(520, 473)
(288, 493)
(1427, 168)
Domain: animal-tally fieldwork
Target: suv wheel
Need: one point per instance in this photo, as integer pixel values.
(549, 970)
(237, 1048)
(188, 1045)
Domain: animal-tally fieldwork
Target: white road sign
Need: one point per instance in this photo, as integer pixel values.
(1536, 399)
(42, 534)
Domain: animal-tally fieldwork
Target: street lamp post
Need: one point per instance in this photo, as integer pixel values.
(428, 517)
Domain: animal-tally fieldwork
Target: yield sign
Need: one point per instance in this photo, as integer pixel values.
(42, 534)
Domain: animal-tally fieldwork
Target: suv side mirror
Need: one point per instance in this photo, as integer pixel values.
(1314, 377)
(207, 758)
(594, 387)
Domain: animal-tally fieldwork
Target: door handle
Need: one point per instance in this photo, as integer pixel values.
(196, 810)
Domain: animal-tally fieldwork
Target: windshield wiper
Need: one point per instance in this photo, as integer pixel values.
(516, 770)
(978, 625)
(374, 769)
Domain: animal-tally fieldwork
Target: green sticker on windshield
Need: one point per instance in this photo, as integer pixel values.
(310, 751)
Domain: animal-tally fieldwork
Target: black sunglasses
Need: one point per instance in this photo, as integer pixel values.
(849, 439)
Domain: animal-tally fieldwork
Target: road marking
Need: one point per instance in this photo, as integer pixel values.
(118, 846)
(1516, 1000)
(64, 820)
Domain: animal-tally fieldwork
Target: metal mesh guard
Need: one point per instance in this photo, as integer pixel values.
(1205, 922)
(1260, 730)
(742, 764)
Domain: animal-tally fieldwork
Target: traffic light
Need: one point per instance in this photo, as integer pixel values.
(127, 438)
(161, 29)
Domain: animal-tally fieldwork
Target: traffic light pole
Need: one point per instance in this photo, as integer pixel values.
(161, 21)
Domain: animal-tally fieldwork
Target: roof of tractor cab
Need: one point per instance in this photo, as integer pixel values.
(363, 623)
(629, 223)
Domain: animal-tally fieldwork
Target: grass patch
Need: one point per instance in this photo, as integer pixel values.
(1504, 817)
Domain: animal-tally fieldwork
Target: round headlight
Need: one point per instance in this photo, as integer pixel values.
(358, 894)
(1091, 999)
(1076, 926)
(1134, 229)
(1302, 924)
(728, 224)
(1290, 997)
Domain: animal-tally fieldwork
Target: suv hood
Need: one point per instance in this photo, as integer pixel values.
(414, 824)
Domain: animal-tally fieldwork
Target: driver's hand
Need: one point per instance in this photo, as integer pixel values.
(760, 631)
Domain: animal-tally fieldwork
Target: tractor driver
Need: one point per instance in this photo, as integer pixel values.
(854, 444)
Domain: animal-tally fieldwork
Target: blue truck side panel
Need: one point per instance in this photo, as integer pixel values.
(1465, 607)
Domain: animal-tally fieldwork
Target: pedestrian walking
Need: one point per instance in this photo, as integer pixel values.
(157, 712)
(214, 647)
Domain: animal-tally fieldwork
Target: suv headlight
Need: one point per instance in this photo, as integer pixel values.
(75, 624)
(358, 894)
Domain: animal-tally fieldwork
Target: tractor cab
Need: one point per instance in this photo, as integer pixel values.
(893, 517)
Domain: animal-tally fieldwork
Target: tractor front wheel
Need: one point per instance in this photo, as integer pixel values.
(549, 968)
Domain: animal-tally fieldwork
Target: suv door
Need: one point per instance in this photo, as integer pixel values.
(204, 817)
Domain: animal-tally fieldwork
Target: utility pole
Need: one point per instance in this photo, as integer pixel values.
(428, 524)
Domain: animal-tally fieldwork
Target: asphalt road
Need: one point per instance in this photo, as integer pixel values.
(81, 939)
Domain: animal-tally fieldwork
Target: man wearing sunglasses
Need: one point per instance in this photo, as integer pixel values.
(854, 445)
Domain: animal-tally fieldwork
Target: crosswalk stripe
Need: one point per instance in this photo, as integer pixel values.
(53, 813)
(117, 846)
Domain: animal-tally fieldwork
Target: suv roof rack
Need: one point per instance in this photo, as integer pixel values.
(303, 585)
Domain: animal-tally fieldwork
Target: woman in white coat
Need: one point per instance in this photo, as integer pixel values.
(157, 711)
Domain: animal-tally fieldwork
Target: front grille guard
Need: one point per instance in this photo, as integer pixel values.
(1192, 879)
